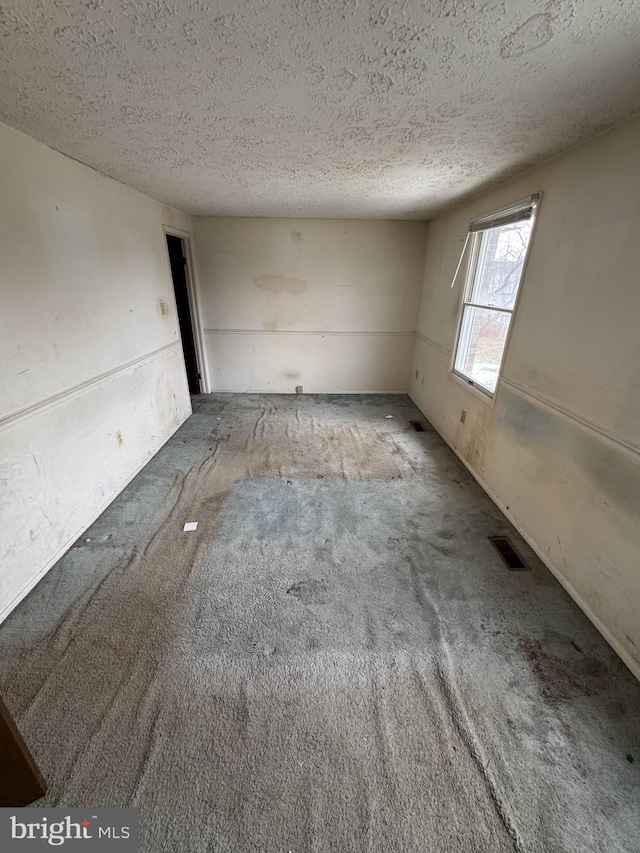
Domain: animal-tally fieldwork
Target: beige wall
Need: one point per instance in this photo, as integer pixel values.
(327, 304)
(86, 350)
(560, 451)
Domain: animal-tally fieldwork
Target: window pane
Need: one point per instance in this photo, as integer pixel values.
(482, 338)
(500, 262)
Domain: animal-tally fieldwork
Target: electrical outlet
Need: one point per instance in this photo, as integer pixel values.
(463, 416)
(119, 439)
(164, 308)
(299, 389)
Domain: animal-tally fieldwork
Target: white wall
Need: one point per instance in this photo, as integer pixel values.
(327, 304)
(560, 451)
(86, 350)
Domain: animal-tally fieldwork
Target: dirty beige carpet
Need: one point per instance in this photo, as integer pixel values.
(336, 659)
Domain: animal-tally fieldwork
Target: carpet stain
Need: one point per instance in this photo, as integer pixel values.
(309, 670)
(307, 591)
(446, 534)
(561, 680)
(445, 550)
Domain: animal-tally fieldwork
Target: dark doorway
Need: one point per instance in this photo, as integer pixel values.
(20, 779)
(178, 260)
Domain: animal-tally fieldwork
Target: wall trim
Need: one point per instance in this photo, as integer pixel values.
(609, 435)
(426, 340)
(615, 438)
(26, 589)
(13, 418)
(310, 332)
(611, 639)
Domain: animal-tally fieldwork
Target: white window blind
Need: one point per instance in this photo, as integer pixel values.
(516, 212)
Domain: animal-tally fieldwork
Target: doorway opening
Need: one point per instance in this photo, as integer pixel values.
(178, 260)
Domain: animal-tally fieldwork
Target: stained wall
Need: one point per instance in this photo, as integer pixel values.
(329, 304)
(93, 379)
(560, 448)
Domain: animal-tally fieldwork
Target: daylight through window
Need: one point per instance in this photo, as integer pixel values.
(498, 247)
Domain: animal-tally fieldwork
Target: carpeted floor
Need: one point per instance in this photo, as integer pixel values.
(337, 659)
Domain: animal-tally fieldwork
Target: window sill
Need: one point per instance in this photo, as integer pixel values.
(486, 396)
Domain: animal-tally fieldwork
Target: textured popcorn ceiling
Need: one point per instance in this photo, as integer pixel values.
(316, 107)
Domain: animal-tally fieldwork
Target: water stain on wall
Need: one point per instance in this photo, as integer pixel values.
(280, 283)
(609, 467)
(523, 416)
(269, 325)
(612, 469)
(473, 439)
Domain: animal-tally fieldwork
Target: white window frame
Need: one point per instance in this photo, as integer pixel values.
(526, 208)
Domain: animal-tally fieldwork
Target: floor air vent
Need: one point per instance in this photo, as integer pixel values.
(506, 550)
(418, 427)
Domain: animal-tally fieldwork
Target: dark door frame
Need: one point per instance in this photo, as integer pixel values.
(194, 310)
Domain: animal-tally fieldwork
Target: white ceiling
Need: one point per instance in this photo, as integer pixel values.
(318, 108)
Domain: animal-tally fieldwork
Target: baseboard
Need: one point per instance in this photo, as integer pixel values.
(15, 601)
(311, 333)
(622, 653)
(272, 393)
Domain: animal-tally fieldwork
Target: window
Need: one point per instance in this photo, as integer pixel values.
(497, 249)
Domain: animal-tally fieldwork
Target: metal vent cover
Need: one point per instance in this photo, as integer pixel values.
(510, 557)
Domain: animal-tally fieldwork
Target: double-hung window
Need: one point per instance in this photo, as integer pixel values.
(496, 248)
